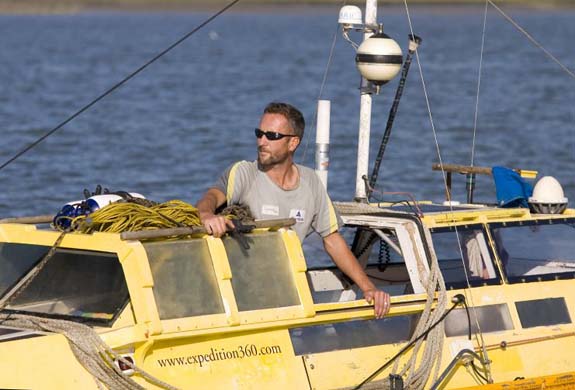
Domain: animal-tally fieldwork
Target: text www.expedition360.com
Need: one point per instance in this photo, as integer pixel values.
(241, 352)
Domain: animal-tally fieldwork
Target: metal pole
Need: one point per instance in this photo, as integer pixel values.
(470, 186)
(322, 140)
(365, 110)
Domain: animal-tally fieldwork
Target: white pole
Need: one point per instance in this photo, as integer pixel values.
(365, 111)
(322, 140)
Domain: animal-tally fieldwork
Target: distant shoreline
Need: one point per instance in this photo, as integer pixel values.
(76, 6)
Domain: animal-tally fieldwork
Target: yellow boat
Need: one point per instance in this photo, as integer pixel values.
(205, 312)
(482, 298)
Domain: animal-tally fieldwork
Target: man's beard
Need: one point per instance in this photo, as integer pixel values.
(270, 159)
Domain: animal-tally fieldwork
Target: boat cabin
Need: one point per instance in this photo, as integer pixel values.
(217, 313)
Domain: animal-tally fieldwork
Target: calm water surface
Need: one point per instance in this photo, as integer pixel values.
(169, 132)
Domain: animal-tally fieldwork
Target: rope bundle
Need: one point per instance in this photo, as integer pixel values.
(418, 374)
(129, 216)
(94, 355)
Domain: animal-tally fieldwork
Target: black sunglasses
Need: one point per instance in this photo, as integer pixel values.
(272, 135)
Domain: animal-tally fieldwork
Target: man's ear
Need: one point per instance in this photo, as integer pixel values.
(293, 143)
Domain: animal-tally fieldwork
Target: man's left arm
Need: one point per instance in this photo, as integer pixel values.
(342, 256)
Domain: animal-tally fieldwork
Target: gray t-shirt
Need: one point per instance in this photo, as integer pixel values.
(243, 183)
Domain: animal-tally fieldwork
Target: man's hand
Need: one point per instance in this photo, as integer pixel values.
(217, 225)
(338, 250)
(380, 300)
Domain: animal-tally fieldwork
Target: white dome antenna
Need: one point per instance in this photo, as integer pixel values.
(350, 17)
(548, 197)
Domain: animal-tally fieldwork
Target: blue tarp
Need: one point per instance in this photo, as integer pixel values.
(511, 189)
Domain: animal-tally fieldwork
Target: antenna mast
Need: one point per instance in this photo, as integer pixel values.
(370, 23)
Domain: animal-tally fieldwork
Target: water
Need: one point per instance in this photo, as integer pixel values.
(169, 132)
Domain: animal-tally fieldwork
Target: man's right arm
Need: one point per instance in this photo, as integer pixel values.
(215, 225)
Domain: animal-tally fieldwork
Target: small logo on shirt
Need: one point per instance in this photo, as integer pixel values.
(268, 209)
(299, 215)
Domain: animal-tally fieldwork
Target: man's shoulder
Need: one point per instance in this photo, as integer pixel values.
(243, 166)
(243, 170)
(237, 177)
(308, 175)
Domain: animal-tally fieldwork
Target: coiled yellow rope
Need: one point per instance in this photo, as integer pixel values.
(127, 216)
(124, 216)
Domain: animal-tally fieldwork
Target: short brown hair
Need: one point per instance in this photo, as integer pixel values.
(292, 114)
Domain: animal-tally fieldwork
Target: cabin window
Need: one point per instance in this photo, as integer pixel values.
(84, 285)
(543, 312)
(540, 250)
(262, 276)
(464, 256)
(15, 262)
(383, 260)
(380, 254)
(491, 318)
(185, 283)
(352, 334)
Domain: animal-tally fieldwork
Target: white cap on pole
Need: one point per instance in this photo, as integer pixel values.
(322, 140)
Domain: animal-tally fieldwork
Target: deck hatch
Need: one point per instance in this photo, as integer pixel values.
(351, 334)
(543, 312)
(491, 318)
(261, 275)
(185, 283)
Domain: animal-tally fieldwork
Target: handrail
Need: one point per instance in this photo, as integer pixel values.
(31, 220)
(470, 172)
(464, 169)
(459, 357)
(272, 224)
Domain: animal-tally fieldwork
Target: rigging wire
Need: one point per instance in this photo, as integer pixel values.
(118, 85)
(428, 106)
(324, 80)
(478, 84)
(480, 339)
(537, 44)
(479, 72)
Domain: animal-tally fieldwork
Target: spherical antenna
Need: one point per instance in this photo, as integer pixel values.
(379, 58)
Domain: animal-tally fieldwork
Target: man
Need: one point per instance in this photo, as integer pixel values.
(275, 187)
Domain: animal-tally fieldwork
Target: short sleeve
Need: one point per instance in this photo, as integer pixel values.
(231, 182)
(222, 182)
